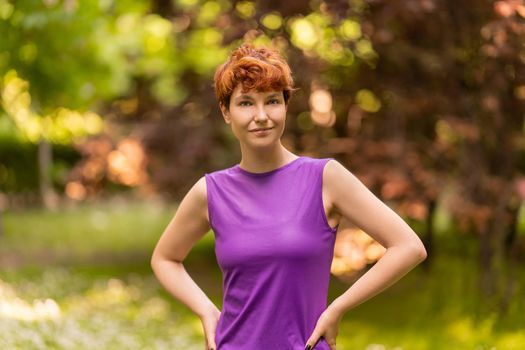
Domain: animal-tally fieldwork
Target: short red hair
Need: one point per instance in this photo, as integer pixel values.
(261, 69)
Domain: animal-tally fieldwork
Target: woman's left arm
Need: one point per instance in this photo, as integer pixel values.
(404, 250)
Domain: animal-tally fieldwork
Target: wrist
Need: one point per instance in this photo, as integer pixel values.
(338, 307)
(210, 311)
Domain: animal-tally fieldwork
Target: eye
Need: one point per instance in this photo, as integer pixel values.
(274, 100)
(241, 103)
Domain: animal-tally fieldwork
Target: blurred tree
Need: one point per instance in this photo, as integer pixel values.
(454, 100)
(74, 56)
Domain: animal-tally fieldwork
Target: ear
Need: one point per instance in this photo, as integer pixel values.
(225, 114)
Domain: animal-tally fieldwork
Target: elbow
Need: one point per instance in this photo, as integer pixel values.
(154, 261)
(415, 250)
(421, 252)
(158, 260)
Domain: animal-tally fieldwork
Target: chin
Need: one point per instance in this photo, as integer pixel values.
(261, 143)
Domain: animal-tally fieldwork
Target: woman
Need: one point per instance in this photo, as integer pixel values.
(275, 216)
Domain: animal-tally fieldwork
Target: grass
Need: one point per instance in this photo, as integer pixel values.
(80, 279)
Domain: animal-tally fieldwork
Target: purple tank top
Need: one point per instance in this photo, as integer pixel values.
(274, 247)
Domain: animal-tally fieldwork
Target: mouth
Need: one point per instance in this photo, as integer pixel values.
(260, 129)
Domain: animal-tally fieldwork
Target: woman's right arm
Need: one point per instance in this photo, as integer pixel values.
(189, 224)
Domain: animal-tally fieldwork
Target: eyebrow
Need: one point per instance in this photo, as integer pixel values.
(250, 98)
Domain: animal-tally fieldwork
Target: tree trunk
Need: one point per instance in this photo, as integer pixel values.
(497, 279)
(45, 160)
(485, 258)
(511, 255)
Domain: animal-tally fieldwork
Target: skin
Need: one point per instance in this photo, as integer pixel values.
(344, 195)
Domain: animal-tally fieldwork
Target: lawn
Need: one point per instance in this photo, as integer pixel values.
(80, 279)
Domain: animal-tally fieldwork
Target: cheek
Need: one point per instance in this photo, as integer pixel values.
(279, 115)
(275, 110)
(239, 128)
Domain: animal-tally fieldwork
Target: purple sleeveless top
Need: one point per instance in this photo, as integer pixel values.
(274, 247)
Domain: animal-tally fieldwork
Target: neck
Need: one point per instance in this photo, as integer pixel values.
(265, 159)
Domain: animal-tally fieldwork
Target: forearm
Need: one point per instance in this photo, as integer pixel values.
(394, 264)
(175, 279)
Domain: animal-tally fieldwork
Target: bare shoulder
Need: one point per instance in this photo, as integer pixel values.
(332, 165)
(188, 225)
(194, 205)
(199, 195)
(334, 171)
(200, 189)
(343, 186)
(334, 175)
(348, 195)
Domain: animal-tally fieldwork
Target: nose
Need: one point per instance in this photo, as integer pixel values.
(260, 114)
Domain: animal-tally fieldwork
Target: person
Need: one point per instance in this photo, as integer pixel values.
(275, 216)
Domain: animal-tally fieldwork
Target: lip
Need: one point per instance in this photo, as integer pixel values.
(260, 129)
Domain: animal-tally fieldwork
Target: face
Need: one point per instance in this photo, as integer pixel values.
(256, 110)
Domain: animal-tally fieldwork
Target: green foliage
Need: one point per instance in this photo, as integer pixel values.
(60, 126)
(19, 164)
(337, 44)
(56, 48)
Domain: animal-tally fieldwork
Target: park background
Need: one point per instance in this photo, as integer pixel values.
(108, 116)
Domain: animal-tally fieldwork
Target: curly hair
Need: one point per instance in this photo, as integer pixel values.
(261, 69)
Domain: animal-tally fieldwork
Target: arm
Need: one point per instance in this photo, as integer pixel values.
(404, 250)
(189, 225)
